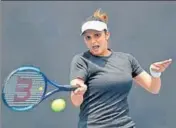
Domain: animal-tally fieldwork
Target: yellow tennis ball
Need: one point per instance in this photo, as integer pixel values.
(40, 88)
(58, 105)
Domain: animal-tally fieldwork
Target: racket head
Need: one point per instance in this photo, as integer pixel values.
(24, 88)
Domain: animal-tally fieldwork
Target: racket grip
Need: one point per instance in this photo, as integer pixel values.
(67, 88)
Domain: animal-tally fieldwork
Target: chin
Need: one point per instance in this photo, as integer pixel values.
(96, 53)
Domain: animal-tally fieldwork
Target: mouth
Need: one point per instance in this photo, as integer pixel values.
(95, 47)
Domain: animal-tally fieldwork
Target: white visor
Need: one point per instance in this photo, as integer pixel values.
(93, 25)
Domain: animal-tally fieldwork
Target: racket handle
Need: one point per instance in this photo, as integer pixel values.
(67, 88)
(61, 88)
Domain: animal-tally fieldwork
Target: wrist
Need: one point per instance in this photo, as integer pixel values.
(155, 74)
(77, 93)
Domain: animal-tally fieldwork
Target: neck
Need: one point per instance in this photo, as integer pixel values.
(107, 52)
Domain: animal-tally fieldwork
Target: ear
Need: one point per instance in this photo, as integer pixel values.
(107, 35)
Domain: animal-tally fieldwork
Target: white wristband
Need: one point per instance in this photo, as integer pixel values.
(154, 73)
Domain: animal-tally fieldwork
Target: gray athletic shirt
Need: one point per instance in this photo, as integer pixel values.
(109, 80)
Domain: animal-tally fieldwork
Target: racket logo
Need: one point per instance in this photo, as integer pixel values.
(23, 87)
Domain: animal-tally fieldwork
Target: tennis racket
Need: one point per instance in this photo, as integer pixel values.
(26, 87)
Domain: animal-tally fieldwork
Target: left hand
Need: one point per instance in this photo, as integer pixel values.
(161, 66)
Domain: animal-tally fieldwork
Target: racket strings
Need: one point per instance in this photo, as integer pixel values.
(24, 88)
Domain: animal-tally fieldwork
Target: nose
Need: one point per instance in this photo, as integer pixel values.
(93, 41)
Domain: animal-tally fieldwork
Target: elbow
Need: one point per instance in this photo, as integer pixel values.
(155, 88)
(155, 92)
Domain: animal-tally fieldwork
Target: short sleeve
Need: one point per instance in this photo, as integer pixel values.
(136, 67)
(78, 68)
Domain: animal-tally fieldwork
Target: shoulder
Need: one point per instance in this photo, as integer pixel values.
(80, 57)
(123, 55)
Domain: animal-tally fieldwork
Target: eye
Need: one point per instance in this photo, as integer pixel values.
(97, 35)
(87, 37)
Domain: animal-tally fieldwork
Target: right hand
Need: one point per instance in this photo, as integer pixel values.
(81, 87)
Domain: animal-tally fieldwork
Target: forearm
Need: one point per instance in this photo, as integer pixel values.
(155, 85)
(150, 83)
(76, 99)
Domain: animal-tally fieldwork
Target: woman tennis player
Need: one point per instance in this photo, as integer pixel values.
(104, 78)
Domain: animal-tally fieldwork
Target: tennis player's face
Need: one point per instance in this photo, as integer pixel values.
(97, 42)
